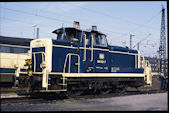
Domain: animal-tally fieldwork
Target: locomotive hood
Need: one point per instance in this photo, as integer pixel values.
(122, 49)
(42, 47)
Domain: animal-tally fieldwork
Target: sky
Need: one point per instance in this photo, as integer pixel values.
(116, 19)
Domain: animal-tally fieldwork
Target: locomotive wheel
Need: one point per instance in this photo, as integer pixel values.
(97, 92)
(105, 91)
(74, 93)
(121, 89)
(29, 86)
(28, 89)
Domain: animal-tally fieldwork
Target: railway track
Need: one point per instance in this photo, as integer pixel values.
(11, 90)
(56, 97)
(144, 91)
(21, 100)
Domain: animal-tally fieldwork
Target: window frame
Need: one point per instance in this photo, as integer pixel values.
(105, 39)
(67, 38)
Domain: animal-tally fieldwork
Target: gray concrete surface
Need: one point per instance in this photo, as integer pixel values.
(144, 102)
(11, 95)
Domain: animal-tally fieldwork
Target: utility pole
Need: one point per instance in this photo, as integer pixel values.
(162, 52)
(37, 35)
(131, 40)
(138, 44)
(34, 25)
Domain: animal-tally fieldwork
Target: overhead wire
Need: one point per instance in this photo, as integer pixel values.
(100, 13)
(110, 16)
(127, 33)
(59, 20)
(83, 19)
(67, 21)
(51, 18)
(141, 24)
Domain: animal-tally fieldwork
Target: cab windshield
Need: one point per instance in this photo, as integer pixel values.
(69, 35)
(100, 39)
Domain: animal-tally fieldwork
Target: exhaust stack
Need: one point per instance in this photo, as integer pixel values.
(76, 24)
(94, 28)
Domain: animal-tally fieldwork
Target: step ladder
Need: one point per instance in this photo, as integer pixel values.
(63, 84)
(49, 82)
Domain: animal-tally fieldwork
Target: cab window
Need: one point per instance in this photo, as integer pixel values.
(61, 35)
(88, 38)
(100, 40)
(70, 35)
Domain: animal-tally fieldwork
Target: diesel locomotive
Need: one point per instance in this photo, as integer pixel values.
(82, 60)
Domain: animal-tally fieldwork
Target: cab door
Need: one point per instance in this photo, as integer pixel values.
(74, 63)
(88, 53)
(101, 53)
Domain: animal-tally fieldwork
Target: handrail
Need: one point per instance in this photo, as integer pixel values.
(43, 54)
(69, 55)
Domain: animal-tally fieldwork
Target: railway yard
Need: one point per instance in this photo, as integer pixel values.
(131, 101)
(82, 88)
(143, 99)
(132, 88)
(75, 69)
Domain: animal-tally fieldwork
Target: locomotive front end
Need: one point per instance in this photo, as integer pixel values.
(38, 66)
(41, 50)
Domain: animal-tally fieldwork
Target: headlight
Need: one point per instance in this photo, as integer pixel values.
(43, 65)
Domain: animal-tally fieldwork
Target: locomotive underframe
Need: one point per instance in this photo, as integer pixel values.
(67, 82)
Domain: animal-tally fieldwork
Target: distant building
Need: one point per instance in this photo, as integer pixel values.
(155, 64)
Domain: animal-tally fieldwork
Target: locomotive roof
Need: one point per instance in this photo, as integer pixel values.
(94, 31)
(98, 32)
(57, 30)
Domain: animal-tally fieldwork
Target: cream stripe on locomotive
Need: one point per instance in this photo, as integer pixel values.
(94, 49)
(94, 74)
(103, 75)
(99, 74)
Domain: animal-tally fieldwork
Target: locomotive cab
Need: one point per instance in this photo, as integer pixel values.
(85, 42)
(70, 35)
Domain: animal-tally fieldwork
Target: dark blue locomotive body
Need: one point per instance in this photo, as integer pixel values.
(100, 58)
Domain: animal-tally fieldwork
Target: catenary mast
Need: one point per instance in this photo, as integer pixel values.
(162, 51)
